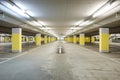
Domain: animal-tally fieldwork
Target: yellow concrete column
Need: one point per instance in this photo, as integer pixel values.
(9, 39)
(65, 39)
(54, 38)
(77, 39)
(87, 39)
(27, 39)
(38, 39)
(22, 39)
(68, 39)
(104, 40)
(49, 39)
(0, 38)
(16, 40)
(92, 39)
(5, 39)
(45, 39)
(33, 39)
(74, 39)
(82, 39)
(71, 39)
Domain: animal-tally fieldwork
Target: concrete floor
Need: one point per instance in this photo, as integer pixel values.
(5, 49)
(76, 63)
(114, 50)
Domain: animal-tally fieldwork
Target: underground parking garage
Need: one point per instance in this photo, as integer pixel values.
(59, 39)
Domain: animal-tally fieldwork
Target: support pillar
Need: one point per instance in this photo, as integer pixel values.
(92, 39)
(71, 39)
(0, 38)
(45, 39)
(104, 40)
(67, 39)
(33, 39)
(87, 39)
(49, 39)
(27, 39)
(38, 39)
(5, 39)
(74, 39)
(16, 40)
(82, 39)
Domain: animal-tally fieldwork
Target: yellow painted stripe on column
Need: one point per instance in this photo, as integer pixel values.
(16, 42)
(77, 39)
(104, 42)
(67, 39)
(49, 39)
(22, 39)
(87, 39)
(71, 39)
(27, 39)
(45, 39)
(92, 39)
(5, 39)
(74, 39)
(33, 39)
(82, 40)
(38, 40)
(64, 39)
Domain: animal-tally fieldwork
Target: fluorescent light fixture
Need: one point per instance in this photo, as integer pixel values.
(106, 8)
(43, 28)
(16, 9)
(70, 31)
(75, 28)
(79, 22)
(86, 23)
(34, 23)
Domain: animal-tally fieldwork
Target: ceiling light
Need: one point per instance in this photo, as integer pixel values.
(106, 8)
(34, 23)
(86, 23)
(15, 9)
(79, 22)
(75, 28)
(45, 28)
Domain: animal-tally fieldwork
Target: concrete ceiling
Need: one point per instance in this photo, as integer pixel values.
(6, 27)
(60, 15)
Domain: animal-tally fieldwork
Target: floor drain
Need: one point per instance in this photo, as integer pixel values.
(60, 50)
